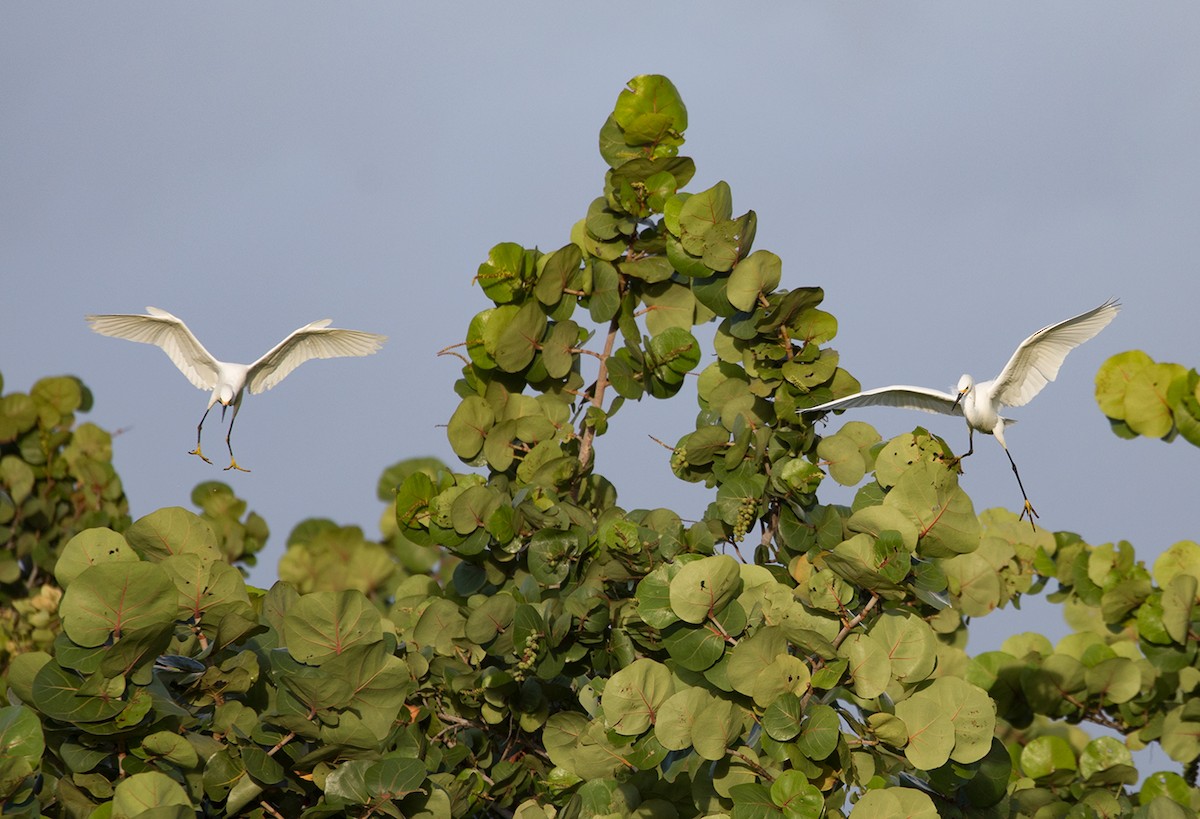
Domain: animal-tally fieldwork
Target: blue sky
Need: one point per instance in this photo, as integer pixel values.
(954, 175)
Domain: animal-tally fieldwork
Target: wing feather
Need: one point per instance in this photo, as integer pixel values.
(316, 340)
(1037, 361)
(904, 397)
(168, 332)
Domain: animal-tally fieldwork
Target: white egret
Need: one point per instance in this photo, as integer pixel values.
(1035, 364)
(228, 381)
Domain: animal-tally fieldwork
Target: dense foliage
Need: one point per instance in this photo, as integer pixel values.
(520, 644)
(1143, 397)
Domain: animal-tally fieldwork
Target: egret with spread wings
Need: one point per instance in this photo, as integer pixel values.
(228, 381)
(1034, 365)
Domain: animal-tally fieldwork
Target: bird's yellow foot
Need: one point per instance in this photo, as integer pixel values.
(199, 454)
(1029, 510)
(233, 464)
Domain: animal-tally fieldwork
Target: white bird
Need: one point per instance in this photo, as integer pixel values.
(1035, 364)
(228, 381)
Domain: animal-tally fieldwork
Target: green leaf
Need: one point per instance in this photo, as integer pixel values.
(869, 667)
(1106, 761)
(521, 338)
(1048, 759)
(62, 695)
(889, 802)
(558, 269)
(930, 496)
(930, 732)
(18, 414)
(394, 778)
(90, 548)
(821, 732)
(910, 644)
(694, 717)
(150, 791)
(324, 624)
(703, 587)
(782, 719)
(467, 430)
(501, 275)
(633, 695)
(1147, 408)
(756, 275)
(172, 531)
(650, 112)
(21, 747)
(493, 616)
(111, 599)
(693, 647)
(1113, 378)
(750, 658)
(797, 796)
(700, 212)
(669, 305)
(171, 747)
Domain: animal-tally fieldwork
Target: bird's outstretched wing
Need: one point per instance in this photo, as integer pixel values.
(1037, 361)
(164, 330)
(917, 398)
(316, 340)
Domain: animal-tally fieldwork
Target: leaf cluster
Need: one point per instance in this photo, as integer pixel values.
(1143, 397)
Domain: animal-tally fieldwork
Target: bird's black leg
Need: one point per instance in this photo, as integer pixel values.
(199, 427)
(233, 464)
(955, 463)
(1028, 510)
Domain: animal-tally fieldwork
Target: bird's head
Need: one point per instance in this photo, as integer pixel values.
(226, 395)
(965, 385)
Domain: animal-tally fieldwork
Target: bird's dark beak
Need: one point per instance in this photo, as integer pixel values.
(961, 394)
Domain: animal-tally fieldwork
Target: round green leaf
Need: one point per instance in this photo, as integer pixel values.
(1106, 760)
(891, 802)
(930, 496)
(90, 548)
(634, 694)
(469, 427)
(700, 212)
(172, 531)
(869, 666)
(798, 798)
(1048, 759)
(521, 338)
(1113, 378)
(821, 732)
(1147, 407)
(694, 717)
(491, 618)
(703, 587)
(910, 644)
(324, 624)
(930, 731)
(149, 791)
(693, 647)
(669, 304)
(108, 600)
(757, 274)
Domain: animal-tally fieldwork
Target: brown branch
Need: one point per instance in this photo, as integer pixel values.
(278, 745)
(450, 351)
(270, 809)
(585, 445)
(858, 618)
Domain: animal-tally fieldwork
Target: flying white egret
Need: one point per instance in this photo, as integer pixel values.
(228, 381)
(1035, 364)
